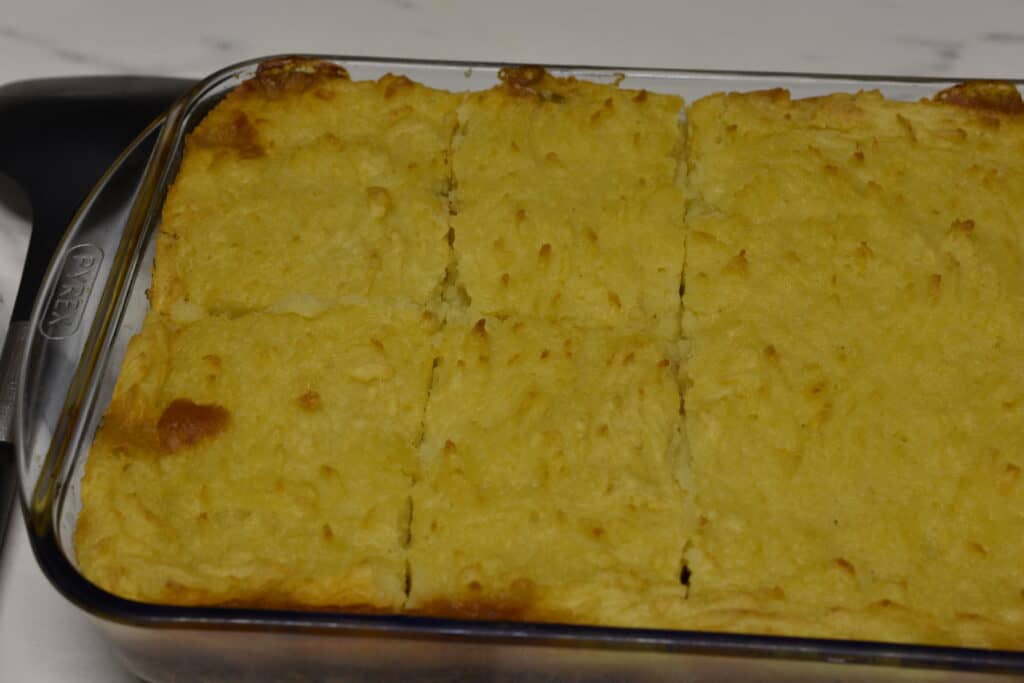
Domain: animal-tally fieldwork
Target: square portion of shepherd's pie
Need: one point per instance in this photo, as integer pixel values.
(265, 460)
(854, 309)
(569, 202)
(550, 470)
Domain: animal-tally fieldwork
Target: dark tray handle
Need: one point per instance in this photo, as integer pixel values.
(57, 137)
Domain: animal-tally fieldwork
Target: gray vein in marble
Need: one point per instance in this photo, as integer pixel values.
(68, 54)
(945, 53)
(219, 44)
(1011, 38)
(196, 61)
(403, 5)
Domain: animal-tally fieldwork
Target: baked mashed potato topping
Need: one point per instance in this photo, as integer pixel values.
(854, 308)
(413, 351)
(548, 487)
(569, 202)
(306, 182)
(262, 460)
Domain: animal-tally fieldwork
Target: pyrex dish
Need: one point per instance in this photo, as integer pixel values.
(93, 301)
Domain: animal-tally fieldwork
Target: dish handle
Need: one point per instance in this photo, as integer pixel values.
(74, 322)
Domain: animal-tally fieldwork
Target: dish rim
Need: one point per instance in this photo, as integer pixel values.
(41, 505)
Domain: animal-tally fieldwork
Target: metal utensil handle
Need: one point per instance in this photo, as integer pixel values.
(14, 347)
(10, 360)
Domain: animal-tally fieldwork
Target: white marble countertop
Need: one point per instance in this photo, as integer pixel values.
(43, 638)
(189, 37)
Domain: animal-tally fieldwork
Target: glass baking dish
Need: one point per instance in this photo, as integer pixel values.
(93, 301)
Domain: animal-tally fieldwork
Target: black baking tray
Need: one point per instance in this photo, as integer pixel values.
(164, 643)
(57, 138)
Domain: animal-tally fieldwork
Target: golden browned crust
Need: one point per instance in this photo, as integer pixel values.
(536, 82)
(526, 81)
(176, 594)
(1000, 97)
(518, 602)
(237, 133)
(184, 424)
(290, 76)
